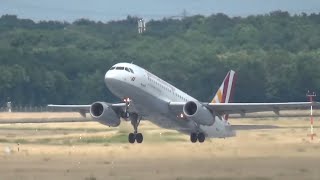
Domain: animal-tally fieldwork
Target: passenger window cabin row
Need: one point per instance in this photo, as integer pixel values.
(167, 89)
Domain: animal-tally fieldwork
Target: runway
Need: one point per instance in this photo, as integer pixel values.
(89, 151)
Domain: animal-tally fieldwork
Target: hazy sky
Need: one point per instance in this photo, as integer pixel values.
(106, 10)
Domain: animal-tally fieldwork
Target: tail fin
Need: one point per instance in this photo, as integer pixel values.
(226, 90)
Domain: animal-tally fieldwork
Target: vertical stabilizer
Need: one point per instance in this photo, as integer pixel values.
(226, 90)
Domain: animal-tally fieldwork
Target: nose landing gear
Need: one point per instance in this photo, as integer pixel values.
(135, 136)
(138, 137)
(135, 121)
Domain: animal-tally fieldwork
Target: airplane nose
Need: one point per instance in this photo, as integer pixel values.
(112, 79)
(109, 77)
(114, 83)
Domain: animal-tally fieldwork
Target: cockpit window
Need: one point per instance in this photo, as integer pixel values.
(122, 68)
(127, 69)
(119, 68)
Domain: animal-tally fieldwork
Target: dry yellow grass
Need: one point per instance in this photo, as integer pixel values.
(260, 154)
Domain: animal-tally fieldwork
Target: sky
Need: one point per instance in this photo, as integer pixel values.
(106, 10)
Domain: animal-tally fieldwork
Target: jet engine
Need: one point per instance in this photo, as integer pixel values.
(197, 112)
(104, 114)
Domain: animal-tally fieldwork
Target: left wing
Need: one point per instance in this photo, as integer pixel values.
(243, 108)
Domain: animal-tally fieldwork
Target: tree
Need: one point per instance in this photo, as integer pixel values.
(276, 56)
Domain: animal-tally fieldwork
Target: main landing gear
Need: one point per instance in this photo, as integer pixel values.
(135, 136)
(199, 136)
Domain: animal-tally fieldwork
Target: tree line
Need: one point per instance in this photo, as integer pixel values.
(276, 56)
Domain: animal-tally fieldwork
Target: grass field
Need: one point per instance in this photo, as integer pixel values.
(90, 151)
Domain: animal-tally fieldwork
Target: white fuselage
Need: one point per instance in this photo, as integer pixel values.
(151, 96)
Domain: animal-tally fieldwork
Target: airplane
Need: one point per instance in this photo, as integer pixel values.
(147, 96)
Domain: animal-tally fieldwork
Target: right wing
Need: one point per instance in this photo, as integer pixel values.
(83, 109)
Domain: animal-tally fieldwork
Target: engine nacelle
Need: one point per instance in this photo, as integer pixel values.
(104, 114)
(197, 112)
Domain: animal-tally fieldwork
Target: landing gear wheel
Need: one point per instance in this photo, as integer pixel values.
(131, 138)
(135, 121)
(139, 138)
(201, 137)
(193, 137)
